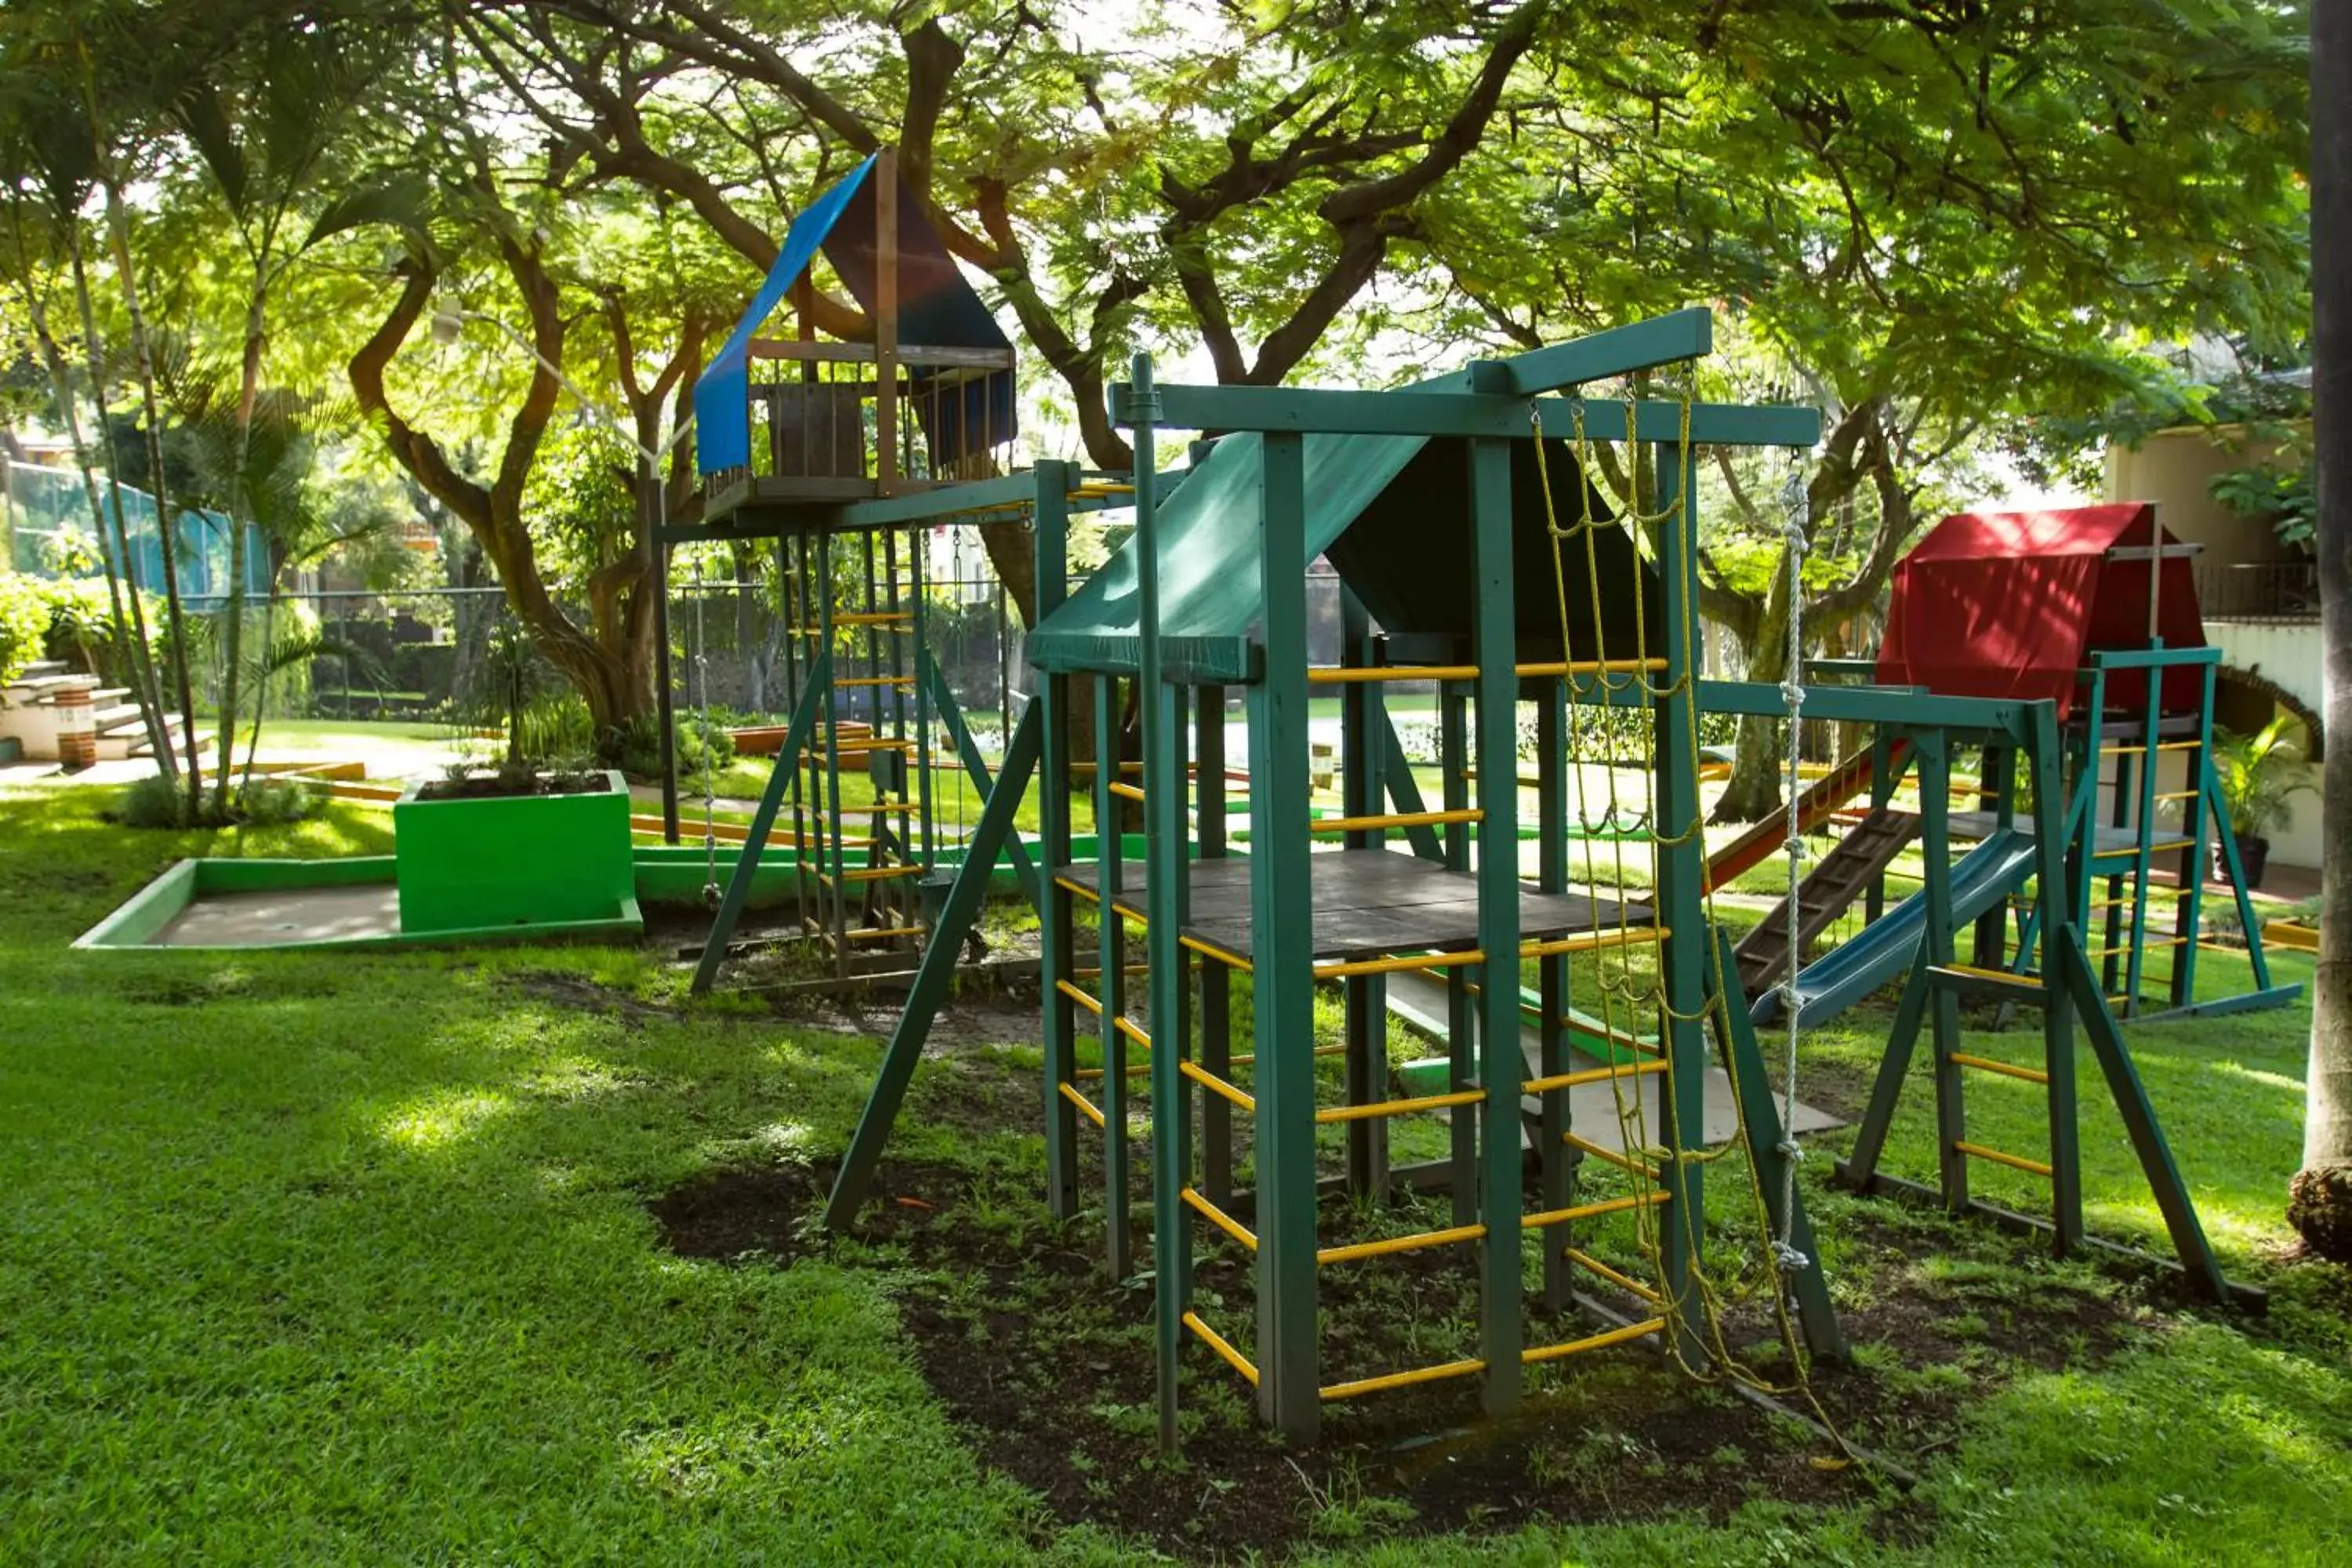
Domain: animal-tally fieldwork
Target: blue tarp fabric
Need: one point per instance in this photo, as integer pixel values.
(722, 397)
(936, 308)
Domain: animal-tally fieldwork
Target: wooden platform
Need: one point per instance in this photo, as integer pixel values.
(1366, 903)
(766, 505)
(2111, 841)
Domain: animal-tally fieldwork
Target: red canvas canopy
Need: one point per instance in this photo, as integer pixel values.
(2011, 604)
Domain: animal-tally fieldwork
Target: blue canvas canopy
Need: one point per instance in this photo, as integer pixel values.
(936, 308)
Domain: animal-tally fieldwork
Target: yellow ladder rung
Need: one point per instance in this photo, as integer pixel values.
(2139, 751)
(1218, 1217)
(2006, 1069)
(1601, 1340)
(2001, 1157)
(1364, 1386)
(2146, 942)
(2181, 795)
(1624, 1282)
(1400, 1107)
(1356, 675)
(1248, 1056)
(1551, 1218)
(1082, 892)
(1216, 1342)
(2002, 976)
(1132, 1030)
(1387, 1245)
(1218, 1086)
(1207, 950)
(2163, 847)
(875, 680)
(1094, 1112)
(1582, 941)
(1125, 791)
(857, 749)
(1590, 1075)
(872, 874)
(1396, 819)
(1331, 675)
(875, 618)
(1610, 1156)
(1084, 999)
(891, 934)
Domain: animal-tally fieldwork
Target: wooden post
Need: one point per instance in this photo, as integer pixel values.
(1500, 1065)
(885, 322)
(1282, 917)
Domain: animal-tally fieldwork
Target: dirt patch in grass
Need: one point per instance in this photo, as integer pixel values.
(585, 995)
(1048, 1367)
(769, 1214)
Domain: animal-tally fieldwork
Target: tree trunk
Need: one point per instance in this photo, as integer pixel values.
(2320, 1198)
(261, 696)
(130, 628)
(1754, 790)
(118, 220)
(233, 607)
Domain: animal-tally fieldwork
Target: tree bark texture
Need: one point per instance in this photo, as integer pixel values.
(2320, 1198)
(609, 661)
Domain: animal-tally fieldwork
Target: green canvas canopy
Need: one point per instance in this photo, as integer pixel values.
(1388, 512)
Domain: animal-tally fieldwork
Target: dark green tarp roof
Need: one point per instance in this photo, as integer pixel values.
(1391, 514)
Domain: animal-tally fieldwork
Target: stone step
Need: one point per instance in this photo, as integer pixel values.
(46, 667)
(138, 745)
(116, 717)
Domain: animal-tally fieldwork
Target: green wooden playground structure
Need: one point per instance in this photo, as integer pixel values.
(1189, 609)
(1476, 555)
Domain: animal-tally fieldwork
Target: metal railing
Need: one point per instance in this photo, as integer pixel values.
(2264, 591)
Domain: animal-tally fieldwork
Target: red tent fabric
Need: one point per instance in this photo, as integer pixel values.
(2010, 605)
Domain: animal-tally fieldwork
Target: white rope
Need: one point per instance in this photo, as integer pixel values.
(710, 782)
(1795, 505)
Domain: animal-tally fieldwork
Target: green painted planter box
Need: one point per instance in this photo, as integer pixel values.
(545, 859)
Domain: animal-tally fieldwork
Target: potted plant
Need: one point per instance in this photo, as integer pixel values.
(2258, 775)
(524, 843)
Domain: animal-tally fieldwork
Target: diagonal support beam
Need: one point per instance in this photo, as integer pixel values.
(2146, 1134)
(975, 767)
(763, 822)
(1744, 1061)
(1405, 791)
(1620, 351)
(933, 977)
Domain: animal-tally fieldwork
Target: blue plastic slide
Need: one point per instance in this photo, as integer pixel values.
(1886, 949)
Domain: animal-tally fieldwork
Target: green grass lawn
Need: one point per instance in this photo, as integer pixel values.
(346, 1257)
(324, 734)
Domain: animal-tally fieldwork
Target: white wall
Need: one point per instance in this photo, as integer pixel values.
(2289, 655)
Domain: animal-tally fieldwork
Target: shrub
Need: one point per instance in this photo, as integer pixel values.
(24, 623)
(153, 802)
(159, 802)
(635, 749)
(275, 803)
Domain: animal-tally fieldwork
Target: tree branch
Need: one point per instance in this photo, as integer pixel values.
(414, 450)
